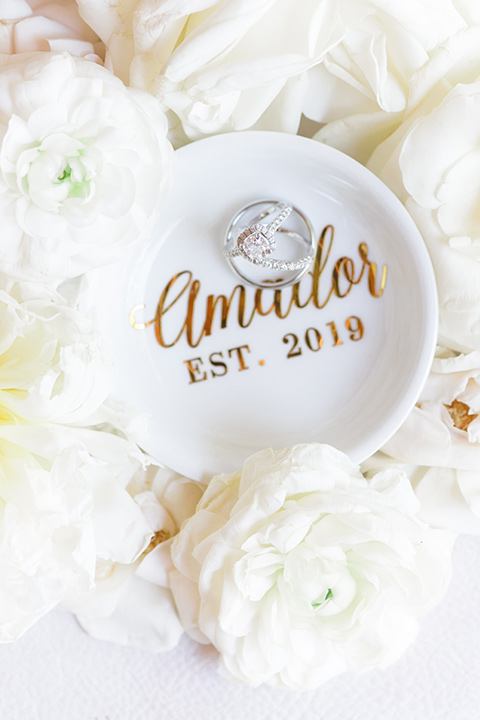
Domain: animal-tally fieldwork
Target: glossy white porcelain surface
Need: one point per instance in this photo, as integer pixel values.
(353, 393)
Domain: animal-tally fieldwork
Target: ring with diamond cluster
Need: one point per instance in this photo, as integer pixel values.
(256, 242)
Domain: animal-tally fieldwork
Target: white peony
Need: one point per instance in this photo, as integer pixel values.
(64, 491)
(218, 66)
(63, 505)
(84, 162)
(440, 442)
(46, 25)
(132, 604)
(297, 568)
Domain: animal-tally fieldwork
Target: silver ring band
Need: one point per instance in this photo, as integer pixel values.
(257, 242)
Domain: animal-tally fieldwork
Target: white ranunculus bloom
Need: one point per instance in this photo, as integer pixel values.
(298, 568)
(52, 365)
(46, 25)
(84, 163)
(132, 604)
(218, 65)
(64, 504)
(440, 443)
(432, 163)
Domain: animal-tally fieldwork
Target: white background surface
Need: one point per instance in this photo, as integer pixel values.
(56, 672)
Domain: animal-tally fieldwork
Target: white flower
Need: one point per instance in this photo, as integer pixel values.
(444, 427)
(218, 66)
(390, 57)
(63, 504)
(46, 25)
(131, 604)
(234, 65)
(52, 365)
(440, 443)
(83, 165)
(431, 163)
(297, 568)
(64, 498)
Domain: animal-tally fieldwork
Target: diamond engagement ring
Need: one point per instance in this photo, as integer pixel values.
(250, 240)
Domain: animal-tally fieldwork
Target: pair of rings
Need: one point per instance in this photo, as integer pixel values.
(255, 233)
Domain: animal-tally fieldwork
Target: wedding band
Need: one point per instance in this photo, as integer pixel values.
(257, 241)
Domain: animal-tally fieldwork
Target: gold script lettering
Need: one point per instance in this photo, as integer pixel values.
(219, 307)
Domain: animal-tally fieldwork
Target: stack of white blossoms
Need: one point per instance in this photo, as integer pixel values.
(297, 567)
(62, 488)
(83, 165)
